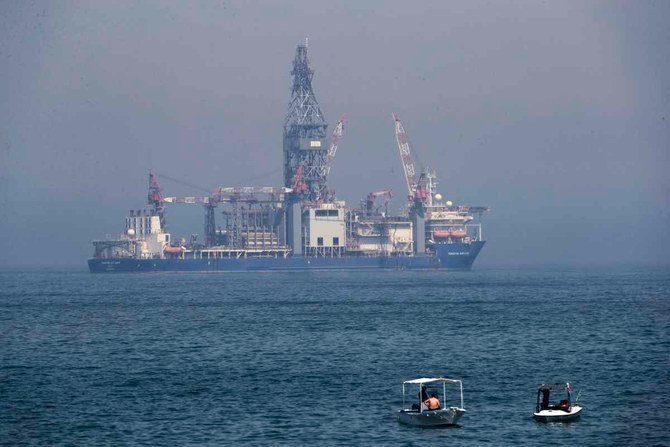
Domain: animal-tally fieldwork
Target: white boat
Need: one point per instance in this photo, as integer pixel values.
(419, 414)
(564, 410)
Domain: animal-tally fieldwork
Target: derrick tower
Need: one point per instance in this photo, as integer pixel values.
(305, 144)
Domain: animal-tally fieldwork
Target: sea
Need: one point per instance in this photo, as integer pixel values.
(318, 358)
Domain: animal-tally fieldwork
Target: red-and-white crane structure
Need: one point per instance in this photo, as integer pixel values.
(418, 191)
(298, 185)
(334, 141)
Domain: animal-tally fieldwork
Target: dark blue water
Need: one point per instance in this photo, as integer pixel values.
(318, 358)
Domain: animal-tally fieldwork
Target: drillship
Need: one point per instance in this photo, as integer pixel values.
(302, 225)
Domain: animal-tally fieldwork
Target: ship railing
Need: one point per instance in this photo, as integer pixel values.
(324, 252)
(474, 232)
(241, 253)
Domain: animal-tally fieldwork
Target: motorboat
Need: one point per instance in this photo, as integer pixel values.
(421, 413)
(547, 410)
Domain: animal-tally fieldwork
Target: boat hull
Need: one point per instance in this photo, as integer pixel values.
(447, 256)
(558, 415)
(435, 418)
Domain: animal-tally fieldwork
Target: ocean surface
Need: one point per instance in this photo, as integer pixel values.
(318, 358)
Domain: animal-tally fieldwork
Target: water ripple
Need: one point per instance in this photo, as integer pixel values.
(318, 357)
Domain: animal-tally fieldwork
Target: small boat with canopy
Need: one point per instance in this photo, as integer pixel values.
(547, 410)
(426, 412)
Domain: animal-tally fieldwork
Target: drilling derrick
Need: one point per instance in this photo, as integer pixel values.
(305, 142)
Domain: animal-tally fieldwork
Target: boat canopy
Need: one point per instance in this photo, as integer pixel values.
(431, 380)
(554, 386)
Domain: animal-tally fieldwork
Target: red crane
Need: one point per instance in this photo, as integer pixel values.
(417, 189)
(298, 185)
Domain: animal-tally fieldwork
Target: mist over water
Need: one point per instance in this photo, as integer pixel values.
(319, 357)
(554, 114)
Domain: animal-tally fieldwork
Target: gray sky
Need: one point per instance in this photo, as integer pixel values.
(554, 114)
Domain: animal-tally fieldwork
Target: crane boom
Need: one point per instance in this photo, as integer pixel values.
(252, 190)
(232, 194)
(405, 156)
(203, 200)
(417, 189)
(334, 141)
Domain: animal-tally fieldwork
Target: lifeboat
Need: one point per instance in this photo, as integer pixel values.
(449, 233)
(169, 249)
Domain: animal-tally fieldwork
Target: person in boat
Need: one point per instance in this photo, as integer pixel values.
(424, 393)
(564, 405)
(545, 400)
(423, 397)
(432, 403)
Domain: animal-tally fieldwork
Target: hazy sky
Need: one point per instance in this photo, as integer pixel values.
(556, 114)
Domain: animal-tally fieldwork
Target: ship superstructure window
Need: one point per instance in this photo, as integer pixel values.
(326, 213)
(336, 241)
(319, 241)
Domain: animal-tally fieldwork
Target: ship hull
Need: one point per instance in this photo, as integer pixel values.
(447, 256)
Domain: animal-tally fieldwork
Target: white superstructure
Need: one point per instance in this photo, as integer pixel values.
(324, 229)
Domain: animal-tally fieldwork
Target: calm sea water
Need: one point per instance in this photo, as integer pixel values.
(318, 358)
